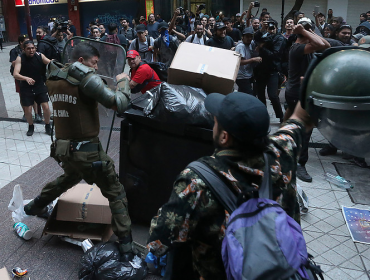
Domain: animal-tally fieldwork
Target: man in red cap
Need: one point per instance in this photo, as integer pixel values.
(143, 77)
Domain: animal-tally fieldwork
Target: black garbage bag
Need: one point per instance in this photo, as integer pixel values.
(102, 262)
(178, 104)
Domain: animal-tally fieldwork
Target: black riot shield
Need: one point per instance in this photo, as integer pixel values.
(111, 63)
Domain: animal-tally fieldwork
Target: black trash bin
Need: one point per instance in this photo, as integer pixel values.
(152, 154)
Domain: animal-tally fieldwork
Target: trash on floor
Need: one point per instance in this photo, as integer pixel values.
(23, 231)
(85, 245)
(102, 262)
(302, 200)
(339, 181)
(16, 205)
(19, 272)
(358, 223)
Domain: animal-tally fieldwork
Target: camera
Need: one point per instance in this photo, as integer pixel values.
(61, 24)
(182, 12)
(257, 4)
(271, 25)
(202, 7)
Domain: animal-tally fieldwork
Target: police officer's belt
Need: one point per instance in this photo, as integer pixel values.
(84, 146)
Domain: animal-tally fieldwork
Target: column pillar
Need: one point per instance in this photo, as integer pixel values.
(11, 20)
(74, 15)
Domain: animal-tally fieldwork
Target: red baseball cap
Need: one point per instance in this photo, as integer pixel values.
(132, 54)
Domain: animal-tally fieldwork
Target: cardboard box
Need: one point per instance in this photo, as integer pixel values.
(212, 69)
(82, 212)
(84, 203)
(4, 275)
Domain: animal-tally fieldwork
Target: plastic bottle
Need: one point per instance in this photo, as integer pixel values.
(23, 231)
(339, 181)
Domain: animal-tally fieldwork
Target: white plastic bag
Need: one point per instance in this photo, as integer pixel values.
(16, 205)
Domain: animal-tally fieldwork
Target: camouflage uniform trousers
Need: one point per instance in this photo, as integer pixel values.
(78, 166)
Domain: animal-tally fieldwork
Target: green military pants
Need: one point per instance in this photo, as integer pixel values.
(78, 166)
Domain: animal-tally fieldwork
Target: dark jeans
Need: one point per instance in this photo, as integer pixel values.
(245, 85)
(292, 102)
(271, 81)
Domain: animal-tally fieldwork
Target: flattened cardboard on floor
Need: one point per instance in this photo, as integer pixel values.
(77, 230)
(212, 69)
(4, 275)
(84, 203)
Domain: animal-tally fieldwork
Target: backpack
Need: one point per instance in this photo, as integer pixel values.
(159, 68)
(55, 53)
(113, 39)
(137, 44)
(204, 38)
(261, 241)
(174, 44)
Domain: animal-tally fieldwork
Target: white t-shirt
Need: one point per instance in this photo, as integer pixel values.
(143, 48)
(51, 25)
(197, 40)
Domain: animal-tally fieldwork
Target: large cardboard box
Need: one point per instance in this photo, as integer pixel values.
(81, 212)
(212, 69)
(4, 275)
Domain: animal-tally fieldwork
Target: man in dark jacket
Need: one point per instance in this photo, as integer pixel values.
(46, 44)
(220, 39)
(270, 47)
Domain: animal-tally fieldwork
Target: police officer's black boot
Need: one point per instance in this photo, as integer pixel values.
(36, 207)
(125, 247)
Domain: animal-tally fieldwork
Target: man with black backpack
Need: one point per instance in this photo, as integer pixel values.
(47, 45)
(246, 157)
(113, 36)
(165, 45)
(143, 44)
(198, 37)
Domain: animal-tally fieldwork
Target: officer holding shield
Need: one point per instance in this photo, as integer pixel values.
(75, 92)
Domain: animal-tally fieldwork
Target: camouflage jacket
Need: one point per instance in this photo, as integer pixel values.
(193, 214)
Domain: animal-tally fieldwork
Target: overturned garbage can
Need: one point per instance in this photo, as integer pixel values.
(165, 130)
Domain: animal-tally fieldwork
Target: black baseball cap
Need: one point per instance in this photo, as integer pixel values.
(220, 25)
(140, 28)
(242, 115)
(163, 25)
(248, 30)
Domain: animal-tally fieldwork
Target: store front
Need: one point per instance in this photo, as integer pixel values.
(106, 11)
(41, 12)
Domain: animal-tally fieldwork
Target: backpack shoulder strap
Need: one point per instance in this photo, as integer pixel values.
(148, 41)
(265, 190)
(219, 189)
(137, 44)
(192, 38)
(204, 39)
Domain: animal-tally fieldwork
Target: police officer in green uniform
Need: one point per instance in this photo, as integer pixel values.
(75, 92)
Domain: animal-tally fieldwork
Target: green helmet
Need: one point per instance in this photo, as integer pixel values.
(336, 93)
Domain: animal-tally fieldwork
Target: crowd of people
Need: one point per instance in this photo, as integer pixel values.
(271, 58)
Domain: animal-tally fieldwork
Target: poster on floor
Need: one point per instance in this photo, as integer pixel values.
(358, 223)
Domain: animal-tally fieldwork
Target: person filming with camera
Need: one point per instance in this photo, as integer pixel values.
(270, 46)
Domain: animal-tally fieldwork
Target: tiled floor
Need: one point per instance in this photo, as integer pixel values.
(324, 228)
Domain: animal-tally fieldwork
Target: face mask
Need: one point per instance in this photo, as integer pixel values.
(164, 33)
